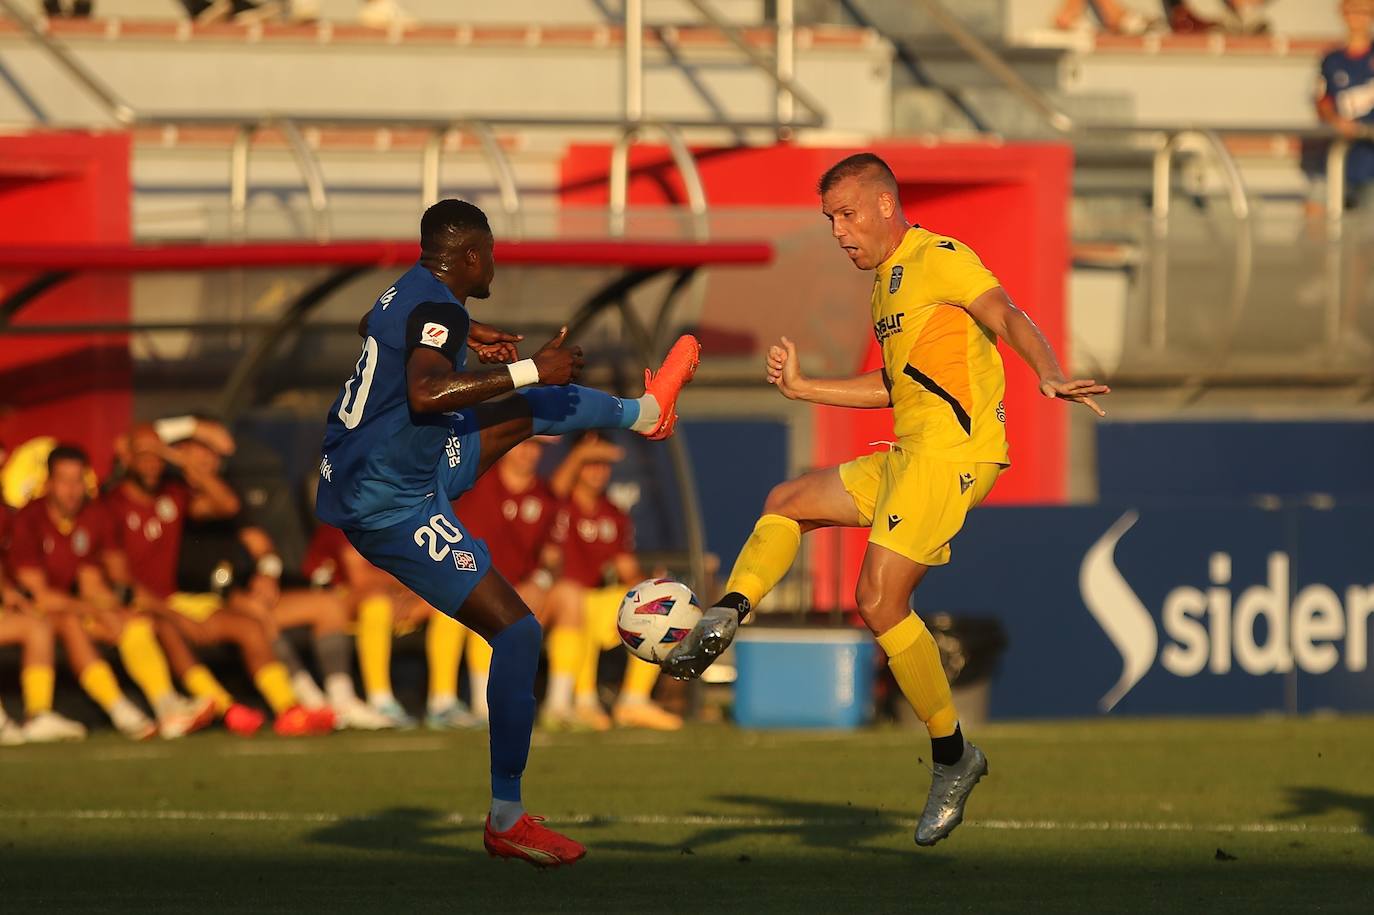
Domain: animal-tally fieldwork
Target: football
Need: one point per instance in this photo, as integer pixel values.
(655, 615)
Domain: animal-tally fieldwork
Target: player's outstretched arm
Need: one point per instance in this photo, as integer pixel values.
(491, 344)
(867, 391)
(432, 386)
(999, 314)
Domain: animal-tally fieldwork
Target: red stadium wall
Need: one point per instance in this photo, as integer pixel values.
(63, 189)
(1010, 203)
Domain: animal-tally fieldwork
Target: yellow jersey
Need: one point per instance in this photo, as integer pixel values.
(941, 365)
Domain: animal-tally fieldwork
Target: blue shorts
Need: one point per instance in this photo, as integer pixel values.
(431, 553)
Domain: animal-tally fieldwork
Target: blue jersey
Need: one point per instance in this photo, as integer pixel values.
(1349, 83)
(379, 460)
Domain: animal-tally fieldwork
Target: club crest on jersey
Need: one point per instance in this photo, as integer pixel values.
(166, 509)
(435, 335)
(895, 282)
(465, 561)
(633, 639)
(661, 607)
(81, 541)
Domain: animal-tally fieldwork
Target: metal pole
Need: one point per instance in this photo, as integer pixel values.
(1158, 321)
(312, 174)
(499, 164)
(1335, 238)
(430, 167)
(634, 60)
(786, 51)
(620, 182)
(238, 180)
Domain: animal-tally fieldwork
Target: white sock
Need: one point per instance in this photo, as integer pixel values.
(560, 694)
(588, 700)
(381, 698)
(478, 682)
(339, 688)
(307, 691)
(505, 814)
(441, 702)
(649, 414)
(624, 699)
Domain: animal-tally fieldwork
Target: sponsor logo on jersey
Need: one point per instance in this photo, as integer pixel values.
(454, 449)
(888, 325)
(895, 281)
(326, 469)
(435, 335)
(661, 607)
(465, 561)
(387, 296)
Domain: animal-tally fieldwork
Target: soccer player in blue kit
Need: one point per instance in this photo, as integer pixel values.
(414, 428)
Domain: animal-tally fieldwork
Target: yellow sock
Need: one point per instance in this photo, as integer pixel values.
(143, 659)
(587, 668)
(766, 557)
(99, 683)
(36, 681)
(374, 644)
(640, 677)
(203, 684)
(274, 683)
(566, 646)
(444, 638)
(915, 662)
(479, 655)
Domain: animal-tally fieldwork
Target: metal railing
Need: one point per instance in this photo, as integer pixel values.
(626, 130)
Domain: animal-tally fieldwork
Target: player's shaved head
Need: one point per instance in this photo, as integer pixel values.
(859, 195)
(866, 167)
(456, 246)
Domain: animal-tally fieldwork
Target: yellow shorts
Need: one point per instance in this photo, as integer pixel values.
(195, 607)
(915, 505)
(600, 610)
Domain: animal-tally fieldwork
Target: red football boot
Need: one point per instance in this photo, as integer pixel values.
(294, 722)
(243, 721)
(667, 383)
(323, 720)
(529, 840)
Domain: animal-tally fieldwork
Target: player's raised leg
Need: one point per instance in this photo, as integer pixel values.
(811, 501)
(883, 598)
(559, 409)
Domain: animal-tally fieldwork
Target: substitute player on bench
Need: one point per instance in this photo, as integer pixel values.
(413, 429)
(937, 313)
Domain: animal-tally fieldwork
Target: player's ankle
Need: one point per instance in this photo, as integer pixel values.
(737, 602)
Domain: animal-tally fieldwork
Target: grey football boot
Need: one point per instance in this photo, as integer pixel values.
(950, 787)
(708, 639)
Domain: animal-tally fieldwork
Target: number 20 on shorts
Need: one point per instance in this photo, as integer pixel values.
(436, 536)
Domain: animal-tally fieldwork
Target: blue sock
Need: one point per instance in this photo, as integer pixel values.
(510, 703)
(572, 408)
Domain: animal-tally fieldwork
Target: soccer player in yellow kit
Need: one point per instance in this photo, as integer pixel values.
(937, 313)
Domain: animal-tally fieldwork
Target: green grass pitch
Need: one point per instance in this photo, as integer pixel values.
(1109, 816)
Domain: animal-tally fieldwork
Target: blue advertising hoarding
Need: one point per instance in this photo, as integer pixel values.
(1131, 610)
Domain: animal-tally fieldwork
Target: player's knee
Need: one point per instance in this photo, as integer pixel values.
(783, 499)
(879, 611)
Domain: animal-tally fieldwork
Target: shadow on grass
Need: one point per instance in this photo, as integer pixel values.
(1305, 802)
(413, 831)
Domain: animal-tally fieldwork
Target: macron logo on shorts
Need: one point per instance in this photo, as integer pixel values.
(435, 335)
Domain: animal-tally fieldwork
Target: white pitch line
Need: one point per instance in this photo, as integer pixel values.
(757, 822)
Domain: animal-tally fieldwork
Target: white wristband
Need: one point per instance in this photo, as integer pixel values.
(523, 373)
(174, 429)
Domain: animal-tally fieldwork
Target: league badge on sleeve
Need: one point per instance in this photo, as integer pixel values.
(435, 335)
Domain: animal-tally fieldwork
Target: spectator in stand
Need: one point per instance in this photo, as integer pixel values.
(1345, 100)
(58, 542)
(1242, 17)
(598, 565)
(67, 9)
